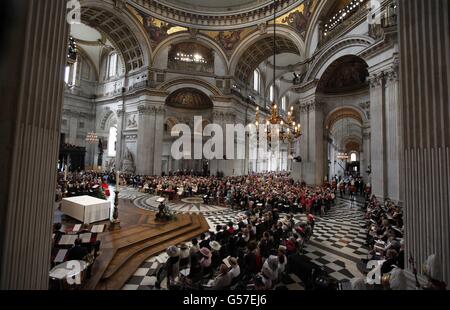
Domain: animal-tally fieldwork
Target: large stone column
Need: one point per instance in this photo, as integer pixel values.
(424, 35)
(312, 142)
(378, 134)
(159, 135)
(393, 140)
(146, 139)
(32, 63)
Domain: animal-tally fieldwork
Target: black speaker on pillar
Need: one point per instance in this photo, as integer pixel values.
(298, 159)
(62, 138)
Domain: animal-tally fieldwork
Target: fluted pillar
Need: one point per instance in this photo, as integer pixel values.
(424, 34)
(146, 139)
(378, 134)
(393, 139)
(312, 142)
(32, 63)
(159, 135)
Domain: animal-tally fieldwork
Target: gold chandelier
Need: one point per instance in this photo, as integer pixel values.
(288, 129)
(91, 138)
(342, 156)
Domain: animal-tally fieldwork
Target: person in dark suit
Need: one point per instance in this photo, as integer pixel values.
(77, 252)
(204, 243)
(57, 233)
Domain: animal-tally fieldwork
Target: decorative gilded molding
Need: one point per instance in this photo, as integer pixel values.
(245, 17)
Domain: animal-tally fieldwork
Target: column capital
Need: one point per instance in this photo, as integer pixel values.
(146, 109)
(376, 79)
(392, 74)
(160, 110)
(311, 105)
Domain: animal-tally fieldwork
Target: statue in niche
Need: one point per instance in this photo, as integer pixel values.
(128, 162)
(228, 41)
(132, 123)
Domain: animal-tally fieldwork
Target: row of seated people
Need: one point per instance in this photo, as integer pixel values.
(80, 250)
(248, 255)
(385, 232)
(243, 192)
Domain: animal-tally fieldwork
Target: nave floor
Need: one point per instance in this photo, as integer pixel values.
(337, 243)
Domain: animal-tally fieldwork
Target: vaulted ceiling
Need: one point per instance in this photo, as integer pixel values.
(260, 51)
(120, 34)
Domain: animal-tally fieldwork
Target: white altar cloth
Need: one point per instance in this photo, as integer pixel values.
(86, 209)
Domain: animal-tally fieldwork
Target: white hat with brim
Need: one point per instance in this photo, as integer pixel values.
(215, 245)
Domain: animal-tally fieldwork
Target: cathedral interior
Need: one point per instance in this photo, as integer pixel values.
(359, 88)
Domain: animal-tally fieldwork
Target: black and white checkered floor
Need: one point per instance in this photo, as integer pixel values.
(338, 242)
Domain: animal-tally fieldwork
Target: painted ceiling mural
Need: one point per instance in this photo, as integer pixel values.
(298, 19)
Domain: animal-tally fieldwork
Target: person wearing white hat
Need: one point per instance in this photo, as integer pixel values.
(397, 280)
(173, 264)
(433, 272)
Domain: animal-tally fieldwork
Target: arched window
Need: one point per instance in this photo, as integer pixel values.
(271, 93)
(112, 65)
(256, 80)
(353, 157)
(283, 104)
(112, 141)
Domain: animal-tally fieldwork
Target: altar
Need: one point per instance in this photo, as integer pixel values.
(86, 209)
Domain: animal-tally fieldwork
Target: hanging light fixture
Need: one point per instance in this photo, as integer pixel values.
(91, 138)
(289, 130)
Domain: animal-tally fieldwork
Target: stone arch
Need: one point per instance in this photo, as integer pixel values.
(350, 45)
(257, 47)
(189, 98)
(322, 7)
(108, 119)
(186, 37)
(341, 113)
(200, 84)
(125, 33)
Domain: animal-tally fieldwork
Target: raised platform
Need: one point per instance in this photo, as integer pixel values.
(124, 250)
